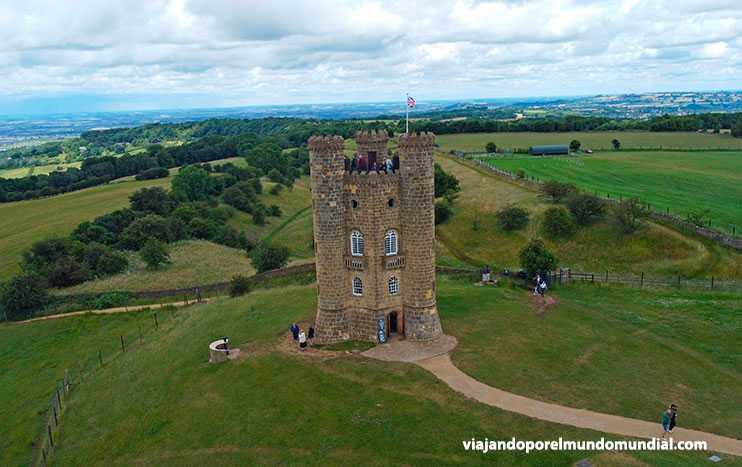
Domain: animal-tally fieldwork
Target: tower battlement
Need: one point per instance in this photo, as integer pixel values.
(374, 237)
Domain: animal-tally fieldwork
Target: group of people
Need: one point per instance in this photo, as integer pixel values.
(359, 164)
(486, 273)
(302, 337)
(668, 420)
(540, 287)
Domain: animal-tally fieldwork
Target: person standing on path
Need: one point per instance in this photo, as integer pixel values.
(295, 330)
(311, 336)
(543, 288)
(302, 341)
(666, 422)
(674, 410)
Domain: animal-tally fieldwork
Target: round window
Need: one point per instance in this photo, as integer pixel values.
(391, 202)
(353, 203)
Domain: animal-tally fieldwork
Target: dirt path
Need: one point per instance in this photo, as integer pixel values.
(120, 309)
(443, 368)
(542, 303)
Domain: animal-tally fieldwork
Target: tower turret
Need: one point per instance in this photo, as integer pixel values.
(327, 170)
(417, 194)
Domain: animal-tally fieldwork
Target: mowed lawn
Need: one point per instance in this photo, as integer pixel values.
(684, 182)
(655, 250)
(163, 403)
(24, 222)
(608, 349)
(34, 357)
(476, 142)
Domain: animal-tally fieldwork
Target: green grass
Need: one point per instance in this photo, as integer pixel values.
(163, 403)
(655, 250)
(25, 222)
(606, 349)
(684, 182)
(194, 262)
(34, 357)
(20, 172)
(475, 142)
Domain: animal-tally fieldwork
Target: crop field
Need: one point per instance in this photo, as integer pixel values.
(144, 408)
(684, 182)
(24, 222)
(655, 250)
(476, 142)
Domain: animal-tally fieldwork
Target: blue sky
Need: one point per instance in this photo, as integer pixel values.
(83, 55)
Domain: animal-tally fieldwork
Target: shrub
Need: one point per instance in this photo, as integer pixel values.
(444, 182)
(584, 206)
(574, 145)
(557, 222)
(204, 229)
(102, 260)
(627, 214)
(269, 256)
(239, 285)
(491, 147)
(512, 218)
(535, 258)
(154, 253)
(258, 215)
(154, 200)
(43, 255)
(143, 229)
(698, 218)
(276, 189)
(154, 172)
(520, 173)
(194, 183)
(557, 190)
(111, 299)
(22, 293)
(275, 210)
(616, 144)
(275, 176)
(442, 212)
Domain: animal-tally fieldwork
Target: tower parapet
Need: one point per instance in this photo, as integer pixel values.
(372, 146)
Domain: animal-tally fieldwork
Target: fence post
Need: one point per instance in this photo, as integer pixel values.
(678, 280)
(734, 231)
(100, 357)
(67, 377)
(51, 441)
(59, 400)
(156, 326)
(43, 453)
(560, 275)
(641, 284)
(140, 331)
(593, 278)
(712, 282)
(56, 420)
(606, 276)
(80, 370)
(198, 291)
(668, 210)
(123, 349)
(185, 300)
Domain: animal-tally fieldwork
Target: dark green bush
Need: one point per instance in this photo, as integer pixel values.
(584, 206)
(239, 285)
(269, 256)
(557, 222)
(512, 218)
(535, 258)
(442, 212)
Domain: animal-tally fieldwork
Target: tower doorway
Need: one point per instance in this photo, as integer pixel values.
(393, 328)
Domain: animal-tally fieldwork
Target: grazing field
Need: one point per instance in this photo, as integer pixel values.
(34, 357)
(272, 406)
(684, 182)
(475, 142)
(655, 250)
(194, 262)
(24, 222)
(630, 353)
(36, 170)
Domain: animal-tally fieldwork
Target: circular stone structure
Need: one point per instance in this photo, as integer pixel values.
(218, 352)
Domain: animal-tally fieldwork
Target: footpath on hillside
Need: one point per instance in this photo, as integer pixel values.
(435, 357)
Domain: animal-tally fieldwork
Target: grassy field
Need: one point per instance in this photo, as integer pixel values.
(474, 142)
(194, 262)
(35, 170)
(34, 357)
(684, 182)
(655, 250)
(25, 222)
(606, 349)
(274, 407)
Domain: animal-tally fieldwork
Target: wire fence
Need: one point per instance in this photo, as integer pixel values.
(52, 416)
(640, 281)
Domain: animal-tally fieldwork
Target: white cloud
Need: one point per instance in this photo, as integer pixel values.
(291, 51)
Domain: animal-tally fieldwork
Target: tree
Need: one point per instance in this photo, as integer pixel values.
(275, 176)
(535, 258)
(512, 218)
(267, 156)
(239, 285)
(442, 212)
(557, 222)
(557, 190)
(616, 144)
(276, 189)
(737, 129)
(194, 183)
(584, 206)
(154, 200)
(269, 256)
(154, 253)
(42, 255)
(23, 292)
(138, 232)
(627, 214)
(574, 145)
(444, 182)
(258, 215)
(491, 147)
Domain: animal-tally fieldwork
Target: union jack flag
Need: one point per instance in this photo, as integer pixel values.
(410, 102)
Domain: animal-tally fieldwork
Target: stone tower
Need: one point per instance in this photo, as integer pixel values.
(374, 239)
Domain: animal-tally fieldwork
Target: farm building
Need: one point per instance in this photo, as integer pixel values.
(547, 150)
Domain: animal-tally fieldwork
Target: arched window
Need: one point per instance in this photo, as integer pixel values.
(390, 243)
(356, 244)
(357, 286)
(393, 286)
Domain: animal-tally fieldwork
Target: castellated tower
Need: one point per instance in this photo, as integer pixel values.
(374, 239)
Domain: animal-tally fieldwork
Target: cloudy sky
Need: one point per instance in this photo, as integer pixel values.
(125, 55)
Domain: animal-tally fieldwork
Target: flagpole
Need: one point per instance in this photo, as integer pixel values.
(407, 114)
